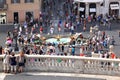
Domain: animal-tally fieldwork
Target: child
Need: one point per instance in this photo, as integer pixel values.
(13, 63)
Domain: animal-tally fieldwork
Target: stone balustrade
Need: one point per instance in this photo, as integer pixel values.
(74, 64)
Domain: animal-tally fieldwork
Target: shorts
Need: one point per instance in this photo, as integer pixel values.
(21, 64)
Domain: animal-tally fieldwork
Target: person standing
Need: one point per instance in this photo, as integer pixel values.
(1, 50)
(112, 40)
(62, 47)
(13, 63)
(72, 29)
(59, 47)
(109, 25)
(59, 28)
(91, 31)
(51, 30)
(21, 61)
(41, 30)
(84, 26)
(20, 29)
(73, 51)
(8, 33)
(6, 60)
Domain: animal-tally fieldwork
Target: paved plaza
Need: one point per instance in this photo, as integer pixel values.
(111, 33)
(40, 77)
(55, 76)
(62, 76)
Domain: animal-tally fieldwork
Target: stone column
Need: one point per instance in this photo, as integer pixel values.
(106, 8)
(87, 10)
(40, 4)
(98, 12)
(78, 11)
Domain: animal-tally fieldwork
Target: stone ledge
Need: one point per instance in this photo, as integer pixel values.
(104, 77)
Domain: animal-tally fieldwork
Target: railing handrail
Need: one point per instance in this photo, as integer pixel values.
(69, 57)
(88, 65)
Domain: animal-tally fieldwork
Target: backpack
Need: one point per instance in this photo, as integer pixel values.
(13, 60)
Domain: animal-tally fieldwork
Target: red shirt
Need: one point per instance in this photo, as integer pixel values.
(41, 29)
(81, 54)
(113, 55)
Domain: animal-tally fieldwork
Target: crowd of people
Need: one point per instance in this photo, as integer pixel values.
(97, 41)
(100, 43)
(26, 35)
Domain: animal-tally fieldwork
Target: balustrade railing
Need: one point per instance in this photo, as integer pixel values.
(75, 64)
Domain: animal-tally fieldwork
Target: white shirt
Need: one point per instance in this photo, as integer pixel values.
(72, 27)
(6, 59)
